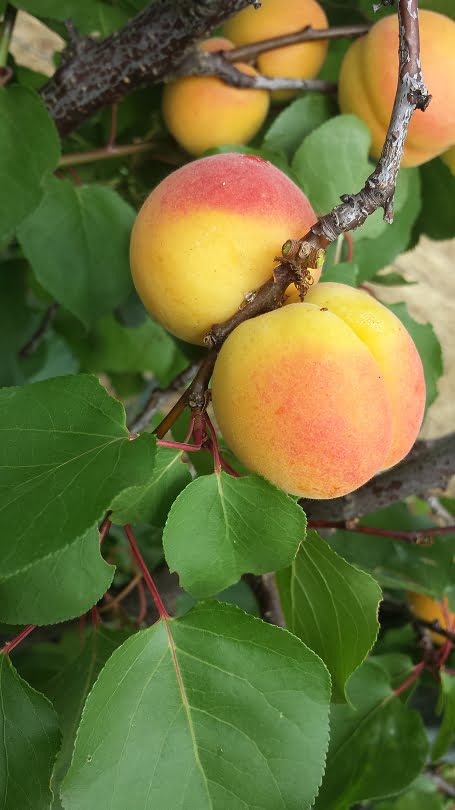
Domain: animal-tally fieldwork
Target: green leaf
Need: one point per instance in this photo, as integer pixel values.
(68, 692)
(213, 710)
(87, 15)
(29, 150)
(151, 502)
(343, 272)
(24, 597)
(446, 731)
(239, 594)
(423, 794)
(65, 454)
(77, 242)
(438, 193)
(377, 745)
(236, 526)
(53, 358)
(16, 321)
(30, 740)
(296, 121)
(391, 280)
(428, 347)
(112, 347)
(428, 569)
(332, 607)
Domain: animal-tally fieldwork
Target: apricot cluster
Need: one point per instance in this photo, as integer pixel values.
(203, 112)
(317, 396)
(367, 85)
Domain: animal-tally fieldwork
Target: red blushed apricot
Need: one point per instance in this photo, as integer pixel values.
(321, 395)
(275, 18)
(207, 236)
(368, 78)
(203, 112)
(300, 399)
(394, 351)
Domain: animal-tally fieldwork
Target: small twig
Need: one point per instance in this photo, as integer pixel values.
(434, 626)
(6, 32)
(109, 152)
(442, 785)
(116, 600)
(158, 397)
(205, 63)
(266, 592)
(248, 52)
(418, 537)
(36, 339)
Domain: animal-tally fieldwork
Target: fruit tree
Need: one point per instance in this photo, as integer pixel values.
(227, 537)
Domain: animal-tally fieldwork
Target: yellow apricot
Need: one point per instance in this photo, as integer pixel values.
(207, 236)
(302, 398)
(431, 610)
(203, 112)
(368, 79)
(275, 18)
(449, 159)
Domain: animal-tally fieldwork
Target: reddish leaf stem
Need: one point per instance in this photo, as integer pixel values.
(146, 573)
(104, 528)
(11, 645)
(415, 536)
(413, 677)
(214, 445)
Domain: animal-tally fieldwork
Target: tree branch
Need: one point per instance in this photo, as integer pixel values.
(308, 34)
(150, 47)
(299, 256)
(429, 466)
(219, 64)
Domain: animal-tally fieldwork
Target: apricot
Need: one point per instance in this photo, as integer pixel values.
(427, 608)
(275, 18)
(321, 395)
(203, 112)
(368, 78)
(207, 236)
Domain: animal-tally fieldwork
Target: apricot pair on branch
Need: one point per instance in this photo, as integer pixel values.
(316, 396)
(203, 112)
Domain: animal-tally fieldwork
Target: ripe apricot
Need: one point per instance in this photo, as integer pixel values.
(203, 112)
(321, 395)
(427, 608)
(272, 19)
(368, 78)
(207, 236)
